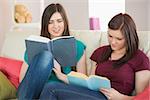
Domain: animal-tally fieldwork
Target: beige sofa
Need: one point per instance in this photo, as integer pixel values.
(14, 45)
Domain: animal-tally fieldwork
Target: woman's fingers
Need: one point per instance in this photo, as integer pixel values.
(106, 92)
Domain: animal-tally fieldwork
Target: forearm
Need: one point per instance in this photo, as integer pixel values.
(81, 65)
(125, 97)
(113, 94)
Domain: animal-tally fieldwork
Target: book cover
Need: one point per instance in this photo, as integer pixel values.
(92, 82)
(62, 48)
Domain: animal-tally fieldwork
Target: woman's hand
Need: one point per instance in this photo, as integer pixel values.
(57, 70)
(113, 94)
(59, 74)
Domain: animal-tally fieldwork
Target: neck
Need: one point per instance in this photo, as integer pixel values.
(121, 51)
(117, 54)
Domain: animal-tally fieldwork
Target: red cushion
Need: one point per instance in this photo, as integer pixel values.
(11, 68)
(145, 95)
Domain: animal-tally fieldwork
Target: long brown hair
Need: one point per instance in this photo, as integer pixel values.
(126, 25)
(48, 12)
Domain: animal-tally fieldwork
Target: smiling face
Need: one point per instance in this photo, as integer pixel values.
(116, 40)
(56, 25)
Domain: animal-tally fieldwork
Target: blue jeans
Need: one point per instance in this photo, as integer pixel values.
(37, 75)
(62, 91)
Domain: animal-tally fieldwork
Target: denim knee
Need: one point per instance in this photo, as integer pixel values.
(44, 59)
(49, 90)
(51, 86)
(36, 76)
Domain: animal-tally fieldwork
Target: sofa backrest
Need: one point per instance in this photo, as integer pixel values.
(92, 41)
(14, 45)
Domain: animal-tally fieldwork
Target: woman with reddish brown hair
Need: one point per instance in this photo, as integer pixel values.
(121, 62)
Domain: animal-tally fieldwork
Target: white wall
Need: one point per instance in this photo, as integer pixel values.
(1, 25)
(148, 14)
(5, 18)
(78, 14)
(34, 6)
(138, 9)
(105, 10)
(77, 11)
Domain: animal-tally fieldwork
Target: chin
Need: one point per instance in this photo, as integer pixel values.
(57, 35)
(113, 48)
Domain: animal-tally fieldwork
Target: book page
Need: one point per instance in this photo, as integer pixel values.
(77, 79)
(38, 38)
(96, 76)
(61, 37)
(77, 74)
(44, 39)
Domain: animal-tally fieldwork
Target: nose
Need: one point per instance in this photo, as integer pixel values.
(55, 24)
(113, 41)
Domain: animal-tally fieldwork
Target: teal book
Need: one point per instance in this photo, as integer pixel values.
(92, 82)
(62, 48)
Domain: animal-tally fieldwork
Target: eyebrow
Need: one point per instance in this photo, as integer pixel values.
(56, 19)
(115, 37)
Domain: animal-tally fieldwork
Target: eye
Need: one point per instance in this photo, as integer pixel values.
(119, 39)
(109, 36)
(50, 22)
(60, 20)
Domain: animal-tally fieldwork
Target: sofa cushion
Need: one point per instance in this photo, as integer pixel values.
(143, 95)
(144, 45)
(91, 39)
(7, 90)
(11, 68)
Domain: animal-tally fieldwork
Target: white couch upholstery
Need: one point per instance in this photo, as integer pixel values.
(14, 45)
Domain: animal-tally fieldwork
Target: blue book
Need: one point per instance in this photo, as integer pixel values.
(62, 48)
(93, 82)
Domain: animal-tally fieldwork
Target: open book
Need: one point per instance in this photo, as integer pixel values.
(62, 48)
(92, 82)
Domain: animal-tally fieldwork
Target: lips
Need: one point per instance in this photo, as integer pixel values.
(56, 31)
(112, 45)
